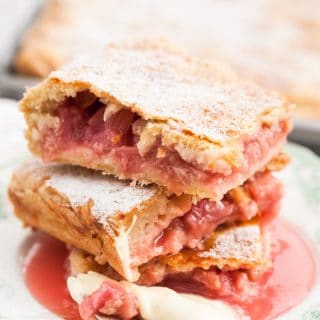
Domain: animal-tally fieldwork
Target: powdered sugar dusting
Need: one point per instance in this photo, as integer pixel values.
(108, 194)
(242, 243)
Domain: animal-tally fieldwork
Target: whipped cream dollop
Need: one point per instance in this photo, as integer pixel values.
(157, 303)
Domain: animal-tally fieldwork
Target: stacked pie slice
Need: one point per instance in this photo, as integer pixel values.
(157, 169)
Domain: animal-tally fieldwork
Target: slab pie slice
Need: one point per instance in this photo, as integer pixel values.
(148, 112)
(129, 226)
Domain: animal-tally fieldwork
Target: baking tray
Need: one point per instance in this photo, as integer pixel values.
(307, 132)
(12, 85)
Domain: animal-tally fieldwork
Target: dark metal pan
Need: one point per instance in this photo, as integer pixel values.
(12, 85)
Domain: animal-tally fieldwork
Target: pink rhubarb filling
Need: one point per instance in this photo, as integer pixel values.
(260, 195)
(82, 135)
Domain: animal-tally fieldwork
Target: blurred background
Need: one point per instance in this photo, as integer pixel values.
(275, 43)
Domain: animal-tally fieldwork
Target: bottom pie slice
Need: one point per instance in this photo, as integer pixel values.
(126, 225)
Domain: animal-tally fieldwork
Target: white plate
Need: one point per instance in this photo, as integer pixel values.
(301, 207)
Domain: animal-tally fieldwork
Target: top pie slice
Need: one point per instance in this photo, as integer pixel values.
(148, 112)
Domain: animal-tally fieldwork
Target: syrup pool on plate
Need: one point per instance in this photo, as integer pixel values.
(45, 273)
(283, 287)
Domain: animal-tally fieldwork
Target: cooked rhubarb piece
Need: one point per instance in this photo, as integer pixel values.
(152, 114)
(125, 225)
(97, 294)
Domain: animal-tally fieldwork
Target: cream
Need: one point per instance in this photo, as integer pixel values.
(160, 303)
(122, 246)
(157, 303)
